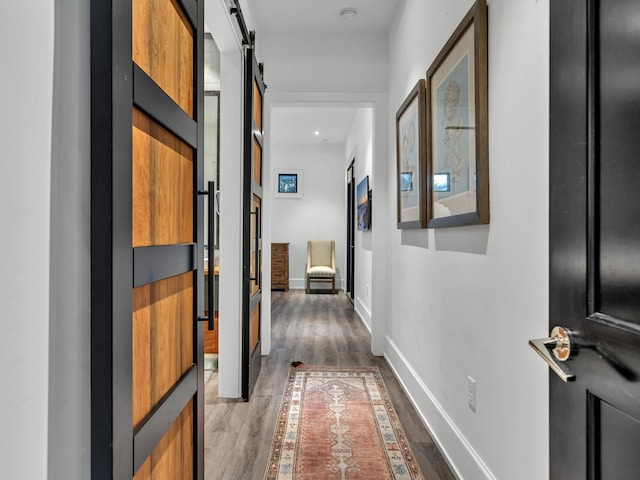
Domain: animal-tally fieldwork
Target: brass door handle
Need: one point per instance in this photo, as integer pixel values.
(557, 349)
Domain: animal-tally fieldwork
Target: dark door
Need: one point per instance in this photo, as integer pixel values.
(595, 237)
(252, 225)
(147, 400)
(351, 243)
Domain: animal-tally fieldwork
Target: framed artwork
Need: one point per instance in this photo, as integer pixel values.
(364, 204)
(457, 126)
(287, 183)
(411, 159)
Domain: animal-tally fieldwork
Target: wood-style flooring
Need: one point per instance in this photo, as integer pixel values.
(317, 329)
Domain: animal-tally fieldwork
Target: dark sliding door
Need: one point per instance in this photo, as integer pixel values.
(252, 225)
(351, 234)
(147, 404)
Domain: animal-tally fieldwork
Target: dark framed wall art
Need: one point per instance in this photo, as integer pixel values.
(457, 126)
(411, 159)
(364, 204)
(287, 183)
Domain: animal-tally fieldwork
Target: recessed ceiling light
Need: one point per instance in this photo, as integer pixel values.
(349, 14)
(316, 133)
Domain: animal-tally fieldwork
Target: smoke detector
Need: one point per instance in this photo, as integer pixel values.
(348, 14)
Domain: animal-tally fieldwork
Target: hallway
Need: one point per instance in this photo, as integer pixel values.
(315, 329)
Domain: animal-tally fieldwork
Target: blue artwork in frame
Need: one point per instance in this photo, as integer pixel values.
(364, 204)
(287, 183)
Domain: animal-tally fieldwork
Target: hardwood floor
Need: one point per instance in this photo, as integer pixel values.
(316, 329)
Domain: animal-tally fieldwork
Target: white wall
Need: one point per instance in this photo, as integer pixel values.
(25, 179)
(359, 146)
(70, 292)
(464, 301)
(314, 62)
(319, 214)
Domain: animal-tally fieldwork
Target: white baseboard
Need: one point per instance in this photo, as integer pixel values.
(461, 456)
(301, 284)
(297, 284)
(363, 320)
(363, 312)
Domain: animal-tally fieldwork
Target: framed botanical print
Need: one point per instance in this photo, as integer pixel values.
(411, 159)
(457, 126)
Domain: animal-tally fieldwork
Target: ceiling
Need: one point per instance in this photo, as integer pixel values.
(299, 124)
(322, 16)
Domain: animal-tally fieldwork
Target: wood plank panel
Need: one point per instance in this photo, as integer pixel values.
(255, 327)
(162, 339)
(163, 48)
(172, 458)
(162, 181)
(257, 105)
(257, 162)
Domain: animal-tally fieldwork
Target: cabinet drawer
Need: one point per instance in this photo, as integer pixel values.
(278, 278)
(279, 248)
(278, 261)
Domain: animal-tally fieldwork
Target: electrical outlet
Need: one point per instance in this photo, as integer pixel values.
(471, 393)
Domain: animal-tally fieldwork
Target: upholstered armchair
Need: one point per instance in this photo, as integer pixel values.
(321, 263)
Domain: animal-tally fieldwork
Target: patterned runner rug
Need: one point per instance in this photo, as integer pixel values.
(338, 423)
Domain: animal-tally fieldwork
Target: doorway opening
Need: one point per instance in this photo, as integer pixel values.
(351, 232)
(320, 141)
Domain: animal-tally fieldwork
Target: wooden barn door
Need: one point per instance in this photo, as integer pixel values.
(252, 225)
(147, 272)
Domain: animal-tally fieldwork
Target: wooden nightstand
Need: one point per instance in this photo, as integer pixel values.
(280, 266)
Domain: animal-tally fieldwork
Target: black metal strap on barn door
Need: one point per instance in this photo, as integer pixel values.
(153, 100)
(155, 425)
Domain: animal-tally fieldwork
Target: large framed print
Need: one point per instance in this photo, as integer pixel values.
(457, 127)
(411, 159)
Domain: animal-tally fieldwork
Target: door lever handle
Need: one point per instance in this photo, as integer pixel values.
(557, 349)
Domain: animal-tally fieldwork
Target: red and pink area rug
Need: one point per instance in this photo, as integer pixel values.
(338, 423)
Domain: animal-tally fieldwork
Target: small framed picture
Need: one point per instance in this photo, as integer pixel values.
(287, 183)
(364, 204)
(411, 159)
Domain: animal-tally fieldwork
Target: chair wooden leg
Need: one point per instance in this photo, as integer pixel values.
(333, 285)
(306, 290)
